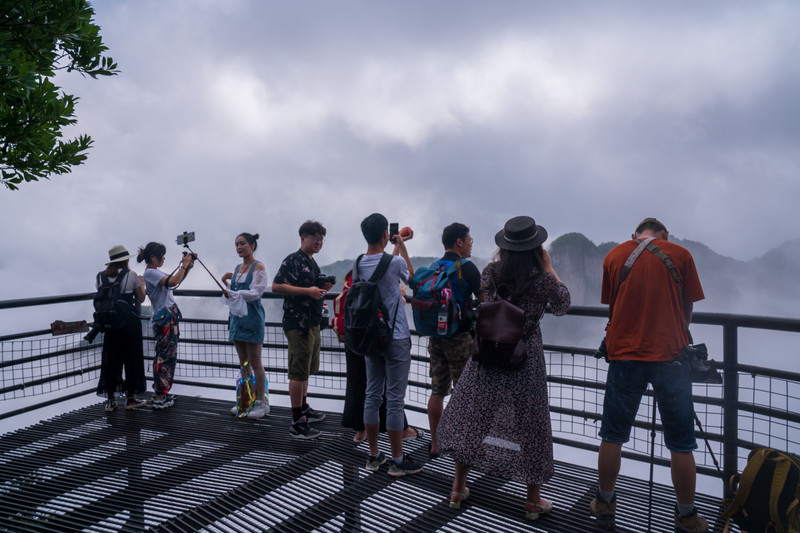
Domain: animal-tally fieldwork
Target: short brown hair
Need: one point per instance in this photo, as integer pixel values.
(653, 224)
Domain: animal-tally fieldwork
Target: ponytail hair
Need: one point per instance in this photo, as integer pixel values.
(252, 239)
(151, 249)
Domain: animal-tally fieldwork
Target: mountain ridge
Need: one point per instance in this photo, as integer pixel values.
(767, 285)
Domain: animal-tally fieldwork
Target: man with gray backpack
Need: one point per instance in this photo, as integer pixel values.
(376, 327)
(445, 290)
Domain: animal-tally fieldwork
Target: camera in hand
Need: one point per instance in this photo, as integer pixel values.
(185, 238)
(703, 369)
(92, 334)
(323, 279)
(602, 351)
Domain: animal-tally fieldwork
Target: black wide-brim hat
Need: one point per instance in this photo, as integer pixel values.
(520, 234)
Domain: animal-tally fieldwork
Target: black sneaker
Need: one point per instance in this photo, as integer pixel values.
(301, 430)
(374, 463)
(111, 405)
(313, 416)
(406, 466)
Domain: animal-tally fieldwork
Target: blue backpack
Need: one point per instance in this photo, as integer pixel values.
(441, 284)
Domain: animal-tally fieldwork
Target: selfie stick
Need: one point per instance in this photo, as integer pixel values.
(204, 266)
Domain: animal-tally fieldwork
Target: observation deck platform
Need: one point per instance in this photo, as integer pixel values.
(194, 467)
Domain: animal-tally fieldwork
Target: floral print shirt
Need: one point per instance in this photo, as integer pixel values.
(299, 312)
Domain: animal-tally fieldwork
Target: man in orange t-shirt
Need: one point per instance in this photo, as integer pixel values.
(649, 315)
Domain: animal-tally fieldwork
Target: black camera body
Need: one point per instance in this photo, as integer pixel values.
(703, 369)
(323, 279)
(602, 351)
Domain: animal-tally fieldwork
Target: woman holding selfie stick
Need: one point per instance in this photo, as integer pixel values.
(166, 316)
(247, 283)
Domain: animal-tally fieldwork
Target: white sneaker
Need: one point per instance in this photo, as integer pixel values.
(234, 410)
(259, 410)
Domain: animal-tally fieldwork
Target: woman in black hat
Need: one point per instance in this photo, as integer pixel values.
(497, 420)
(122, 345)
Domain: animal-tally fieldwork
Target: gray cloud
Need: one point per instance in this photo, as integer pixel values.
(250, 116)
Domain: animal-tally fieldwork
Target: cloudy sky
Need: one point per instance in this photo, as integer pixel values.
(233, 116)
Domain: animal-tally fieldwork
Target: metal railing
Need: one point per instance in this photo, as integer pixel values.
(755, 406)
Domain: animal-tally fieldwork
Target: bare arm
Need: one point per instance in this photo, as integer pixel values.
(180, 274)
(400, 249)
(139, 291)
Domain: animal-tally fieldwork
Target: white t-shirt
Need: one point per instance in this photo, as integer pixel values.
(160, 295)
(390, 289)
(128, 285)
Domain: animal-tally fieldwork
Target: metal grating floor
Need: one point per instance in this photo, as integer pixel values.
(195, 467)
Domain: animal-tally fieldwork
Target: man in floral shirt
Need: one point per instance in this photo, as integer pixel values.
(297, 280)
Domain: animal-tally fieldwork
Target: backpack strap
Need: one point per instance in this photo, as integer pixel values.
(669, 264)
(749, 474)
(380, 270)
(779, 477)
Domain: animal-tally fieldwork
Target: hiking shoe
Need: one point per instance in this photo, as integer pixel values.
(692, 523)
(135, 403)
(406, 466)
(313, 415)
(259, 409)
(111, 405)
(162, 403)
(604, 511)
(301, 430)
(374, 463)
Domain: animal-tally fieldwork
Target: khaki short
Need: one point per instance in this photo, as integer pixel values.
(448, 358)
(303, 353)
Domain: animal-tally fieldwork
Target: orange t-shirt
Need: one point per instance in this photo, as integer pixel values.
(647, 321)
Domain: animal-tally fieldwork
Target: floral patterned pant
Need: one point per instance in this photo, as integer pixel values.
(166, 355)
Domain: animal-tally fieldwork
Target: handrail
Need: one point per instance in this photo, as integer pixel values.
(730, 403)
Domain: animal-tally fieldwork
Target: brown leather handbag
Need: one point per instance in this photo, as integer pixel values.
(498, 334)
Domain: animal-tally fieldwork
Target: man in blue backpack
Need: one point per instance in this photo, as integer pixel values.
(450, 354)
(389, 367)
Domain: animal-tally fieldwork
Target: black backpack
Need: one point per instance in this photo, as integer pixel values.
(766, 494)
(366, 324)
(112, 309)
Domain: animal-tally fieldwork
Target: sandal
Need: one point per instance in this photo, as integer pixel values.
(361, 438)
(418, 434)
(534, 510)
(457, 497)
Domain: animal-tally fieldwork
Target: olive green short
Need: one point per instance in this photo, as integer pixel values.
(448, 357)
(303, 353)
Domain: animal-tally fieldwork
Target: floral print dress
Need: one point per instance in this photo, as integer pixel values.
(498, 421)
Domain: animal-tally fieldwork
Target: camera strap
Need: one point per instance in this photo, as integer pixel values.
(626, 268)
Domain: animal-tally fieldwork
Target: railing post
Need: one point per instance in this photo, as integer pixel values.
(730, 417)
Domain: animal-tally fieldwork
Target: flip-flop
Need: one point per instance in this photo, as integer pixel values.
(362, 439)
(457, 497)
